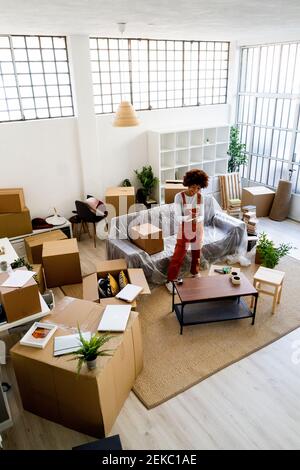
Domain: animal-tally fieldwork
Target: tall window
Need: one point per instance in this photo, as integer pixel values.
(154, 74)
(268, 112)
(34, 78)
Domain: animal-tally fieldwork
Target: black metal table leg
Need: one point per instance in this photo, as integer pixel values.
(254, 310)
(173, 296)
(181, 322)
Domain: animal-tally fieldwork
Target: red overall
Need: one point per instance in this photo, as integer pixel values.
(189, 232)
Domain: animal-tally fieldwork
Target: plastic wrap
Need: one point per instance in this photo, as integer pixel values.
(224, 236)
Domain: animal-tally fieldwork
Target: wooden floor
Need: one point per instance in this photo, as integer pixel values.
(253, 404)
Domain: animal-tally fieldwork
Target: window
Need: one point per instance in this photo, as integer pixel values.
(154, 74)
(34, 78)
(268, 112)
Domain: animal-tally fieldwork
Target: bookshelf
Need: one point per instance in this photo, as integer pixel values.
(173, 152)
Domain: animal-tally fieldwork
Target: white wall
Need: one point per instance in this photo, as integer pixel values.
(122, 150)
(42, 157)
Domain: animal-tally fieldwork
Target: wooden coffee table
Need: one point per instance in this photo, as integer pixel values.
(212, 299)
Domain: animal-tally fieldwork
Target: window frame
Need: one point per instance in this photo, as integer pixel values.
(31, 74)
(167, 62)
(290, 130)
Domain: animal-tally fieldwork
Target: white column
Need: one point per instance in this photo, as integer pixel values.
(79, 52)
(233, 76)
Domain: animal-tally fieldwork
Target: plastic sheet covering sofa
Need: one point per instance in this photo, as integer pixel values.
(224, 236)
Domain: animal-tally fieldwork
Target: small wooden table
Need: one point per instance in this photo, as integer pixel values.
(270, 277)
(212, 299)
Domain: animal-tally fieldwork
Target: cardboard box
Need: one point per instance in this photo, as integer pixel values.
(260, 197)
(134, 275)
(90, 402)
(34, 244)
(14, 224)
(11, 200)
(86, 290)
(147, 237)
(122, 198)
(171, 189)
(61, 262)
(19, 302)
(38, 268)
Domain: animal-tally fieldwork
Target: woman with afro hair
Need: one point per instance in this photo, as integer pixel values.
(189, 211)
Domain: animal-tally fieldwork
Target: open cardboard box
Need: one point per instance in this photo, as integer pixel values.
(88, 288)
(91, 401)
(19, 302)
(11, 200)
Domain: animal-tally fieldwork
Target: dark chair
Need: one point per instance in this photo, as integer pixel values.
(87, 216)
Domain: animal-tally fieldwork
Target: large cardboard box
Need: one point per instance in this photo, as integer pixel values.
(19, 302)
(61, 262)
(260, 197)
(34, 244)
(121, 198)
(90, 402)
(171, 189)
(147, 237)
(14, 224)
(11, 200)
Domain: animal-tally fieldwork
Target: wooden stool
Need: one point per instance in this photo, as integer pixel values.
(270, 277)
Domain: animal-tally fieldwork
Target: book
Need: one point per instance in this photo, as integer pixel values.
(114, 318)
(38, 335)
(129, 293)
(68, 343)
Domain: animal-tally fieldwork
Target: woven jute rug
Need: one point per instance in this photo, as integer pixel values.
(174, 362)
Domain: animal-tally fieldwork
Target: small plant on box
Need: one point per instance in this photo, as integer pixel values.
(19, 263)
(147, 179)
(268, 253)
(126, 183)
(90, 349)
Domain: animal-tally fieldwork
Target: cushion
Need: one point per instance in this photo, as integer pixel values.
(123, 281)
(92, 202)
(114, 286)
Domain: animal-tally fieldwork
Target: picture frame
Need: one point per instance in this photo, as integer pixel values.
(38, 335)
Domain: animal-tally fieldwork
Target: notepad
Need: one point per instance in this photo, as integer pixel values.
(69, 343)
(129, 293)
(114, 318)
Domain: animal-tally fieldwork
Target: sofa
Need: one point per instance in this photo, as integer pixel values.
(224, 237)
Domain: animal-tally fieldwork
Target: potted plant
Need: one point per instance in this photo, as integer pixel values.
(236, 151)
(90, 350)
(147, 179)
(126, 183)
(267, 254)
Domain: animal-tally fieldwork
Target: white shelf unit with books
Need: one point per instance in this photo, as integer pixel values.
(173, 152)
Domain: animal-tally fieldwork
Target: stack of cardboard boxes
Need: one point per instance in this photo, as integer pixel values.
(14, 216)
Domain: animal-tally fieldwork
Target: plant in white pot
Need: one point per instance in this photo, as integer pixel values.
(90, 349)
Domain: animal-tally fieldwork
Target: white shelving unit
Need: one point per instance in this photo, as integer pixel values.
(173, 152)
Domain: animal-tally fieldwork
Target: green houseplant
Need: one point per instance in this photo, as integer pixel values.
(267, 253)
(126, 183)
(89, 350)
(236, 151)
(147, 179)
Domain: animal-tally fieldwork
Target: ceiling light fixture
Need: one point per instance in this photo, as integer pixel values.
(125, 115)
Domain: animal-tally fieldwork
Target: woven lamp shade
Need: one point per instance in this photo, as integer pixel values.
(126, 116)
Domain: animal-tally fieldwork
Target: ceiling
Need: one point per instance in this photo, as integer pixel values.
(243, 21)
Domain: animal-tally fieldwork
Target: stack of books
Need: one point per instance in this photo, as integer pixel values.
(234, 208)
(248, 209)
(251, 221)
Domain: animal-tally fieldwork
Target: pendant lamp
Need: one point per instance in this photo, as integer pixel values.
(126, 115)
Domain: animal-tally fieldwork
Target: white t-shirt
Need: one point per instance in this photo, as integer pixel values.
(183, 213)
